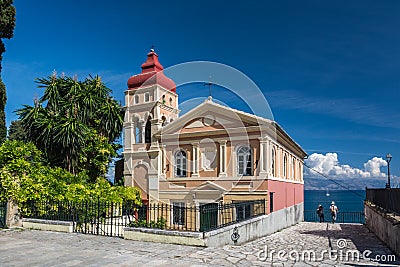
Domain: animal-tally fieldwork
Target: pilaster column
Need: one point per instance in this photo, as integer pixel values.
(163, 161)
(155, 127)
(142, 125)
(222, 159)
(128, 135)
(269, 157)
(263, 156)
(153, 175)
(195, 160)
(197, 205)
(278, 162)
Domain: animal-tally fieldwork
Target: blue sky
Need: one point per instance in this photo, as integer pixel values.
(329, 69)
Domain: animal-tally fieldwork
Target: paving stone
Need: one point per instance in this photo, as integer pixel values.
(41, 248)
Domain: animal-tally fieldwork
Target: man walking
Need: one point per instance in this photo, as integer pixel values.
(320, 212)
(334, 210)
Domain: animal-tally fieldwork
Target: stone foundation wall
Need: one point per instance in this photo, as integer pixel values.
(385, 226)
(48, 225)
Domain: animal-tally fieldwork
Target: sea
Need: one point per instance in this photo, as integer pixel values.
(345, 200)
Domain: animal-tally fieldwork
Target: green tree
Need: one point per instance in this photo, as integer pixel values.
(75, 123)
(96, 155)
(7, 24)
(16, 131)
(24, 177)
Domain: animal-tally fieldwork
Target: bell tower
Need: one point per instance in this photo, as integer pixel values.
(151, 102)
(150, 96)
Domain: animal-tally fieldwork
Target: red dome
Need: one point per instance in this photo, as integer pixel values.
(152, 73)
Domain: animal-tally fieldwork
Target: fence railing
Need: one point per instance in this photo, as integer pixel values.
(201, 218)
(386, 198)
(89, 217)
(342, 216)
(105, 218)
(48, 210)
(3, 214)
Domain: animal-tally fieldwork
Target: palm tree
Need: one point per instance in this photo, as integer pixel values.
(67, 114)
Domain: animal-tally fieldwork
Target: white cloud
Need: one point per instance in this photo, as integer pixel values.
(374, 165)
(328, 164)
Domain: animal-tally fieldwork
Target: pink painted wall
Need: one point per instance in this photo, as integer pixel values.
(286, 194)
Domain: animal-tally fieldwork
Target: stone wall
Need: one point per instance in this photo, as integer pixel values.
(165, 236)
(13, 217)
(385, 226)
(48, 225)
(256, 227)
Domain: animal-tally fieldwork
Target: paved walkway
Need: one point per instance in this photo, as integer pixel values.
(296, 246)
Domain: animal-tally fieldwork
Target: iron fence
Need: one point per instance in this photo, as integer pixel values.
(342, 217)
(3, 214)
(204, 217)
(89, 217)
(164, 216)
(221, 215)
(386, 198)
(48, 210)
(106, 218)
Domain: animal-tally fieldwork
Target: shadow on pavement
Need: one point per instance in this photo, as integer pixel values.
(363, 240)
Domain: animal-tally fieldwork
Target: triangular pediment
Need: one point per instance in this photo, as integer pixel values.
(209, 186)
(210, 116)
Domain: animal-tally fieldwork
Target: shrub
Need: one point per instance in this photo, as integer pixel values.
(159, 224)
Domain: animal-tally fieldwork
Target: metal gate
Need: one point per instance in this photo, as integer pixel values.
(3, 214)
(102, 218)
(208, 216)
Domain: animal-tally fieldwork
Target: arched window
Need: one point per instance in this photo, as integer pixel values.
(244, 161)
(136, 99)
(180, 164)
(138, 135)
(163, 99)
(273, 162)
(147, 132)
(170, 101)
(146, 97)
(284, 166)
(137, 129)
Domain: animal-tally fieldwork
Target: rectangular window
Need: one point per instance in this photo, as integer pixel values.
(244, 161)
(178, 213)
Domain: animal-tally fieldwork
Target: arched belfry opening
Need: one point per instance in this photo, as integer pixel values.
(137, 130)
(147, 131)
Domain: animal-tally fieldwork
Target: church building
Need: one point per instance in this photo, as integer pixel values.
(212, 154)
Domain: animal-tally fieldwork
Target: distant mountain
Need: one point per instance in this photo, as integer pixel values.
(312, 183)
